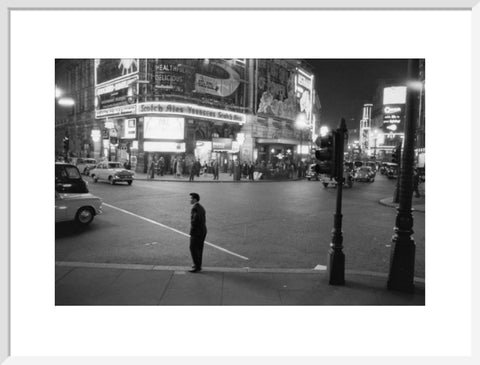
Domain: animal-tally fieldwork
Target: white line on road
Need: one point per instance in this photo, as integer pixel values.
(173, 229)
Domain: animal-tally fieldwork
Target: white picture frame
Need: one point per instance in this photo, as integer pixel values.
(6, 285)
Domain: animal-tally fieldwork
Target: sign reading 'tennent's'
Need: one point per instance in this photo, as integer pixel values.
(191, 110)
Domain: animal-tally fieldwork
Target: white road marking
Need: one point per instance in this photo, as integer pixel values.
(173, 229)
(151, 243)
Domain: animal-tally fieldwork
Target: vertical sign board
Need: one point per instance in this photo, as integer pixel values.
(130, 128)
(394, 99)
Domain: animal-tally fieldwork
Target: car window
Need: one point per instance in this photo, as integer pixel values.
(60, 171)
(114, 165)
(72, 172)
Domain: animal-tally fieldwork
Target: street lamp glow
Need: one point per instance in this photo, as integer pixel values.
(323, 131)
(66, 102)
(58, 92)
(415, 85)
(301, 121)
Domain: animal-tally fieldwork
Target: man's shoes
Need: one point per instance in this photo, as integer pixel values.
(195, 270)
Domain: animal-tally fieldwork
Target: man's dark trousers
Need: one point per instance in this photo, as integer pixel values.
(196, 250)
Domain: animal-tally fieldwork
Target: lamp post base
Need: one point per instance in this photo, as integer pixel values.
(402, 263)
(336, 267)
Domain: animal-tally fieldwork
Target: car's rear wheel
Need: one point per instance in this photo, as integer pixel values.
(84, 216)
(95, 179)
(129, 182)
(111, 181)
(325, 184)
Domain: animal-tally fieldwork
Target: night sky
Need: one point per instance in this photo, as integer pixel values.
(343, 86)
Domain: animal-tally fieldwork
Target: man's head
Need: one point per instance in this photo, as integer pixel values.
(194, 198)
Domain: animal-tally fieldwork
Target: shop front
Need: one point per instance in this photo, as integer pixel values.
(276, 150)
(188, 133)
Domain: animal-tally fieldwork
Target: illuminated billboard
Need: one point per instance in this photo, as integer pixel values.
(149, 146)
(304, 93)
(394, 95)
(111, 69)
(163, 127)
(284, 90)
(211, 81)
(393, 118)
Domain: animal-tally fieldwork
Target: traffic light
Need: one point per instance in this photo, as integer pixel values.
(66, 142)
(326, 153)
(396, 154)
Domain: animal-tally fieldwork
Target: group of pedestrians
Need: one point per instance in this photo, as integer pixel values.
(156, 167)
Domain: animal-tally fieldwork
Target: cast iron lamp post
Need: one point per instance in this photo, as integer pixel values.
(402, 258)
(336, 257)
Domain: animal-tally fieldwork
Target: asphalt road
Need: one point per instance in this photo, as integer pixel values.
(259, 225)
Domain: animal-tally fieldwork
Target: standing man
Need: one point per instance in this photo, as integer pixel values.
(192, 171)
(198, 232)
(198, 166)
(161, 164)
(251, 170)
(215, 169)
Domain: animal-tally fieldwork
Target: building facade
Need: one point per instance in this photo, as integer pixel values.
(141, 110)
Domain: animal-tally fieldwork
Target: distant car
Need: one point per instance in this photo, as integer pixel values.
(312, 172)
(364, 173)
(385, 166)
(327, 180)
(112, 172)
(372, 164)
(86, 164)
(68, 179)
(81, 208)
(392, 172)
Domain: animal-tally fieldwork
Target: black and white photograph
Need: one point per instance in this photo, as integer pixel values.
(240, 181)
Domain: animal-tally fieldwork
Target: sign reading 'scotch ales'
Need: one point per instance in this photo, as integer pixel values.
(191, 110)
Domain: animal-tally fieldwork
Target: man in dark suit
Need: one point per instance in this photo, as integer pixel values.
(198, 232)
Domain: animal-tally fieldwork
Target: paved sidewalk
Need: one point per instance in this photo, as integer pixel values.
(115, 284)
(223, 177)
(418, 204)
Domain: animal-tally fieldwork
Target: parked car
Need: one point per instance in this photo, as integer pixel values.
(85, 164)
(112, 172)
(68, 179)
(81, 208)
(364, 173)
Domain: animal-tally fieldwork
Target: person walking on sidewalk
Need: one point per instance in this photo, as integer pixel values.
(198, 232)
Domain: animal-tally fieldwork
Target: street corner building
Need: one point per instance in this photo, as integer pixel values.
(141, 110)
